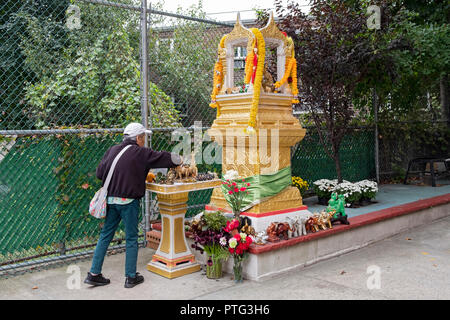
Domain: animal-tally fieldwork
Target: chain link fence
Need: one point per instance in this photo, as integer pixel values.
(71, 77)
(401, 142)
(357, 152)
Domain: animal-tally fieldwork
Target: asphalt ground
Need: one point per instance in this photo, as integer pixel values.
(411, 265)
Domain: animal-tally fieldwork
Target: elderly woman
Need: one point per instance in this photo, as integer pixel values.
(125, 190)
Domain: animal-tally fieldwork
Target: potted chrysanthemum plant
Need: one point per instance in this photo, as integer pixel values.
(369, 191)
(351, 192)
(323, 189)
(301, 184)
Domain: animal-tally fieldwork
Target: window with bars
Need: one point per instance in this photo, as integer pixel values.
(240, 53)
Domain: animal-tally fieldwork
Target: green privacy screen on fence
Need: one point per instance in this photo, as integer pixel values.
(357, 153)
(27, 197)
(46, 184)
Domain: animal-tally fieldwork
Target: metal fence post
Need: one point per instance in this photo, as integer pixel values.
(150, 123)
(144, 100)
(377, 155)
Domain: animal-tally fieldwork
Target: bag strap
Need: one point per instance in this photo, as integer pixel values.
(113, 166)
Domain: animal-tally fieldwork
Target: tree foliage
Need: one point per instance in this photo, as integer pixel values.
(335, 53)
(14, 70)
(342, 63)
(182, 55)
(412, 90)
(89, 75)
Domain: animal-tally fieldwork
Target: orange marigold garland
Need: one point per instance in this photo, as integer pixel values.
(217, 79)
(287, 73)
(249, 63)
(217, 85)
(294, 87)
(290, 72)
(257, 77)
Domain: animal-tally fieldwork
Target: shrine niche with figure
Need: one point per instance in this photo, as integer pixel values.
(258, 112)
(275, 47)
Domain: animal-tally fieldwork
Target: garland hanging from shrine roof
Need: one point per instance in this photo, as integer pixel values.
(257, 77)
(218, 79)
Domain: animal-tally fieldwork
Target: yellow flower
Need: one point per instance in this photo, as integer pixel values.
(300, 183)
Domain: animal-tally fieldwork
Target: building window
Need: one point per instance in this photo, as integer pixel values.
(240, 53)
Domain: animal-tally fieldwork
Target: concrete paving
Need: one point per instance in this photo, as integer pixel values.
(411, 265)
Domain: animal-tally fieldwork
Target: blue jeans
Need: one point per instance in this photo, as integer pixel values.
(129, 213)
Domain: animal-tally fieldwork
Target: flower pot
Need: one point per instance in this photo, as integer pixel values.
(355, 204)
(365, 201)
(213, 268)
(323, 201)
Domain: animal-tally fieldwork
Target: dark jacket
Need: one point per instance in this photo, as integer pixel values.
(128, 180)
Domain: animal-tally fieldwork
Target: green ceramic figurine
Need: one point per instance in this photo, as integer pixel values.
(337, 204)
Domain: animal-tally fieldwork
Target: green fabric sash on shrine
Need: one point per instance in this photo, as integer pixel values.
(262, 187)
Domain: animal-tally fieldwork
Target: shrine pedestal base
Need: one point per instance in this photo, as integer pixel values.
(173, 257)
(173, 269)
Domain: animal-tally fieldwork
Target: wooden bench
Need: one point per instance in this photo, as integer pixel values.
(422, 162)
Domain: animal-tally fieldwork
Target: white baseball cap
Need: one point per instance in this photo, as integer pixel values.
(134, 129)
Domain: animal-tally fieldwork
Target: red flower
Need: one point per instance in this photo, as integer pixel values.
(248, 184)
(236, 190)
(231, 225)
(230, 192)
(234, 184)
(248, 240)
(243, 189)
(231, 250)
(237, 236)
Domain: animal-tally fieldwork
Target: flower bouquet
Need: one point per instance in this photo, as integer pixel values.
(235, 191)
(211, 237)
(238, 246)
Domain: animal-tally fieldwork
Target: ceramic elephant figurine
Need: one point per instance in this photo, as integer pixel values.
(303, 219)
(282, 230)
(298, 224)
(294, 227)
(261, 237)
